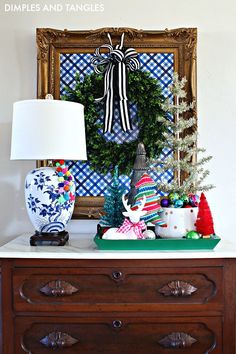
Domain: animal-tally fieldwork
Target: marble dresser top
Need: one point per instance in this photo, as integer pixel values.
(82, 246)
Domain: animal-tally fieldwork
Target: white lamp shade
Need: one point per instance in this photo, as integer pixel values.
(48, 130)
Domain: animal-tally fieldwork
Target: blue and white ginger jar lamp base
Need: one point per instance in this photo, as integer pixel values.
(50, 198)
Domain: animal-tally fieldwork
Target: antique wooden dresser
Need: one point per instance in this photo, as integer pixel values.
(77, 299)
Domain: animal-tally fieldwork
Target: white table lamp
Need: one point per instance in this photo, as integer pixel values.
(49, 130)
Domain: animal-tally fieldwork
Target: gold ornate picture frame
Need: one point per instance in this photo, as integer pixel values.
(51, 43)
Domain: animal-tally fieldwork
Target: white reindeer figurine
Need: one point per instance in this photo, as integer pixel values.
(131, 229)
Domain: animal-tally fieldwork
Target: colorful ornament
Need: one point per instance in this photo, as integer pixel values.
(165, 203)
(193, 200)
(147, 187)
(204, 222)
(173, 197)
(178, 203)
(185, 199)
(193, 235)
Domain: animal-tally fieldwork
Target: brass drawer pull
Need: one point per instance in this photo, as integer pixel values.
(58, 288)
(116, 275)
(177, 340)
(117, 324)
(57, 340)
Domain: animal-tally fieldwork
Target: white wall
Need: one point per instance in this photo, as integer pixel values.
(216, 25)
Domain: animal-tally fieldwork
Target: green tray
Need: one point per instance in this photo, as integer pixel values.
(159, 244)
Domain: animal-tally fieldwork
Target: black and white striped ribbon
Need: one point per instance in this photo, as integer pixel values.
(116, 62)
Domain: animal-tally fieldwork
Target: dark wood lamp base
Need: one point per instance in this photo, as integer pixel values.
(49, 238)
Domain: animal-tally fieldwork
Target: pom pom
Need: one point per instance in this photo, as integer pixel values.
(66, 196)
(61, 199)
(72, 197)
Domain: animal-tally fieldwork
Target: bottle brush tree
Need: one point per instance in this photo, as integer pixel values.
(181, 138)
(113, 205)
(204, 222)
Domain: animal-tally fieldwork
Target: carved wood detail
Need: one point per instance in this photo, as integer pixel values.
(177, 288)
(58, 288)
(188, 36)
(46, 36)
(101, 33)
(177, 340)
(57, 340)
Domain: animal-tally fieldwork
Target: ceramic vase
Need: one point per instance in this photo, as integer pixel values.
(45, 211)
(178, 220)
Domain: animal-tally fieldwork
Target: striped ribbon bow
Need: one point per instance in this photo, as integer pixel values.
(137, 228)
(116, 62)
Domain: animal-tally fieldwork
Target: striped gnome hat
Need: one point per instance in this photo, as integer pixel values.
(146, 186)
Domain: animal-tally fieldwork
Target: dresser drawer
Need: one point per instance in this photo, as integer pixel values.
(112, 289)
(118, 335)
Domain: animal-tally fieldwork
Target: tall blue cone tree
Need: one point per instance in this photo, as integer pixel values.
(113, 205)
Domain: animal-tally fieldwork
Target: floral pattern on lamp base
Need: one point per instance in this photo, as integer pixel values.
(46, 213)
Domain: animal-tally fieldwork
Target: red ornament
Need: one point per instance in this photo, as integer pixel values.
(204, 222)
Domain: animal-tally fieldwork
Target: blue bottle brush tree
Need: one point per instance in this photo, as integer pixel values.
(113, 205)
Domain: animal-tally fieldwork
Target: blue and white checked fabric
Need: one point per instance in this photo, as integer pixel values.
(161, 67)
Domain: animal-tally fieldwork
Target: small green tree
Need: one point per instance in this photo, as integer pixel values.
(181, 139)
(113, 205)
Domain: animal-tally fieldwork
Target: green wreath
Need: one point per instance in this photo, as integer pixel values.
(146, 93)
